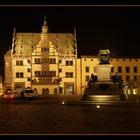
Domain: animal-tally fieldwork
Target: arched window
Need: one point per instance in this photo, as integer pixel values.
(43, 91)
(60, 90)
(35, 90)
(47, 91)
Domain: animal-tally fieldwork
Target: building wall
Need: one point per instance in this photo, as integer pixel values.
(92, 61)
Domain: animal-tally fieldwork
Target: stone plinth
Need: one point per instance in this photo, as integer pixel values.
(103, 72)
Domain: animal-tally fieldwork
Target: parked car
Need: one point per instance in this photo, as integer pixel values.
(17, 94)
(8, 94)
(29, 93)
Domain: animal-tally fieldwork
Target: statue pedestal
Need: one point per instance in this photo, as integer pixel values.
(103, 72)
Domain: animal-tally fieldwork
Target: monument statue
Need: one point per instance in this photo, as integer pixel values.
(104, 56)
(102, 84)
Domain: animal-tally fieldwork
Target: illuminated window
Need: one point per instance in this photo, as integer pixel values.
(87, 69)
(19, 74)
(135, 69)
(87, 78)
(127, 69)
(69, 74)
(119, 69)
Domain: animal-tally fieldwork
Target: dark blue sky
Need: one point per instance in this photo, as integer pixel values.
(117, 28)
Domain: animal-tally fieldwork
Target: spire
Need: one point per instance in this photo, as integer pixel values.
(44, 27)
(13, 41)
(75, 41)
(45, 22)
(75, 33)
(14, 31)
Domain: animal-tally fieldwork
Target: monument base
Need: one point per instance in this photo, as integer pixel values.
(105, 90)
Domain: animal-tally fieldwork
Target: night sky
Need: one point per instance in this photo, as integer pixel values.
(116, 28)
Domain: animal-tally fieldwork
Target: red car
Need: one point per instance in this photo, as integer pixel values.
(10, 95)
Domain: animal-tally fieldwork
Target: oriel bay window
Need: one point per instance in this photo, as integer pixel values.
(45, 73)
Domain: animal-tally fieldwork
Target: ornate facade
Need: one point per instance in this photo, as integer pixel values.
(45, 61)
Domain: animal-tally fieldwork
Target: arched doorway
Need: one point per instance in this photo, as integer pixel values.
(47, 91)
(55, 91)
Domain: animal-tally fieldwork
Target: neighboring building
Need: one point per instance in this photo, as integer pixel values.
(48, 62)
(128, 69)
